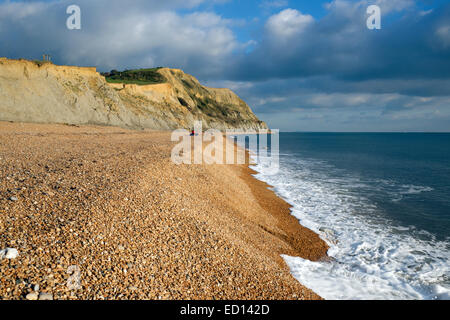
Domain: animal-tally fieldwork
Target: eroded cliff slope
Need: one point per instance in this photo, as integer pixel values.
(47, 93)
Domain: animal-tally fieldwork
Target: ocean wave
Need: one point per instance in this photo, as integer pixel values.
(372, 257)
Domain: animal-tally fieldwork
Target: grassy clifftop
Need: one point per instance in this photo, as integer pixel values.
(138, 76)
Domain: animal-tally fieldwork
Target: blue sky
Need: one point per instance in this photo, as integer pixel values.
(301, 65)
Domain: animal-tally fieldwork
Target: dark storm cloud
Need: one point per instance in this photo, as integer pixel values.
(417, 46)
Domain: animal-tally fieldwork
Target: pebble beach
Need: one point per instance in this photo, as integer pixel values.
(108, 206)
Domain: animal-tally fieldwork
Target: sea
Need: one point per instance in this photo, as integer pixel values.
(381, 201)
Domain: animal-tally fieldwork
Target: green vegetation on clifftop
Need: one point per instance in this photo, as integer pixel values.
(138, 76)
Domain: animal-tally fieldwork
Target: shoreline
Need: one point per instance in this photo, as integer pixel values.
(305, 243)
(110, 201)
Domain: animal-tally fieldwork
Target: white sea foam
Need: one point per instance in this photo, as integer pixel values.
(373, 257)
(411, 189)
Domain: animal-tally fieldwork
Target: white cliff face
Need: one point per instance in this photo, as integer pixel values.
(75, 95)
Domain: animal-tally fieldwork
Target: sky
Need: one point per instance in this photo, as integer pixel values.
(300, 65)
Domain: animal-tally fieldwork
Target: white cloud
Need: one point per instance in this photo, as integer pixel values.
(443, 33)
(393, 5)
(270, 100)
(387, 6)
(21, 10)
(117, 35)
(288, 23)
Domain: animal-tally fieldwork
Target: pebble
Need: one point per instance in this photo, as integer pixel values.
(13, 198)
(45, 296)
(32, 296)
(9, 253)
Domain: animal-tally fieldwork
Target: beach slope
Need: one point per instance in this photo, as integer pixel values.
(110, 202)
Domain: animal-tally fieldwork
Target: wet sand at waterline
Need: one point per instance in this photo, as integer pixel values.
(111, 202)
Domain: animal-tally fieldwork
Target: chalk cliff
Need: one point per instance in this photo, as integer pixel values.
(48, 93)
